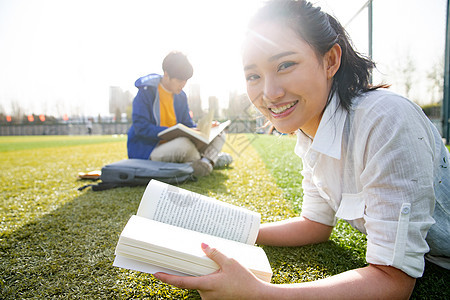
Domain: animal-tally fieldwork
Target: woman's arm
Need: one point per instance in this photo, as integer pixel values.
(371, 282)
(293, 232)
(233, 281)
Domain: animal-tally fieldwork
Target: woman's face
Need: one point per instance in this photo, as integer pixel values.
(286, 80)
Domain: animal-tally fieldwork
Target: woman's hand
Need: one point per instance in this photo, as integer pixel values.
(231, 281)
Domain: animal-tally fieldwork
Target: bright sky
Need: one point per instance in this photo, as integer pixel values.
(61, 56)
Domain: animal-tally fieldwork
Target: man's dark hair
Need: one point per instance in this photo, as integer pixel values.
(176, 65)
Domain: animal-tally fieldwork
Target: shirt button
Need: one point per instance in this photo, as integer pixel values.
(313, 156)
(405, 210)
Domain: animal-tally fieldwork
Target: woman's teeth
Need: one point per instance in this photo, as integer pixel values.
(280, 109)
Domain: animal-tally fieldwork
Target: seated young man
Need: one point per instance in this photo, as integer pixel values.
(161, 103)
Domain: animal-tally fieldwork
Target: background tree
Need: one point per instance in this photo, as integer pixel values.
(402, 75)
(408, 69)
(435, 79)
(118, 115)
(17, 111)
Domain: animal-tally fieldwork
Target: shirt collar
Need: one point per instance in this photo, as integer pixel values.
(328, 138)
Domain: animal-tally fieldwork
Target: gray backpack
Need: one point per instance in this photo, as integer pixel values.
(134, 172)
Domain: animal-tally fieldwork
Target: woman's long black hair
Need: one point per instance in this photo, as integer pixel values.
(322, 31)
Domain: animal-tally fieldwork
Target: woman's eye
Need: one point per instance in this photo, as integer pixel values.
(285, 65)
(251, 77)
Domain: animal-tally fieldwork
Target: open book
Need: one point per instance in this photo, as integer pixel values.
(201, 136)
(170, 225)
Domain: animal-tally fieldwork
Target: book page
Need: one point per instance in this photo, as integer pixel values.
(179, 249)
(215, 131)
(200, 140)
(179, 207)
(136, 265)
(205, 123)
(181, 130)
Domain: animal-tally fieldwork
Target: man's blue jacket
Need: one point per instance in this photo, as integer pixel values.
(143, 133)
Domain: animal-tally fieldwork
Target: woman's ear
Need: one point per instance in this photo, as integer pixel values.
(333, 60)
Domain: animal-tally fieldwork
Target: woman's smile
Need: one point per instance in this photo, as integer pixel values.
(283, 110)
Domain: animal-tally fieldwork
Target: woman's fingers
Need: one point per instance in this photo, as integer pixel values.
(231, 281)
(214, 254)
(183, 282)
(191, 282)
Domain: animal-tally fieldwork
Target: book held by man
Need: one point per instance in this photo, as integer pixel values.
(171, 224)
(200, 136)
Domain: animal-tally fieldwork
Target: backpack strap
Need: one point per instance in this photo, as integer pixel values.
(101, 186)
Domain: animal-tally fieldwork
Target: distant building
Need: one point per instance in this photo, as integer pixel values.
(195, 101)
(239, 106)
(213, 104)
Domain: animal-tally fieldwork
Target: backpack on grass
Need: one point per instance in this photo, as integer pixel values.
(134, 172)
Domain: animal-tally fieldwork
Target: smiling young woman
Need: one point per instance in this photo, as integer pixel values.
(286, 81)
(370, 157)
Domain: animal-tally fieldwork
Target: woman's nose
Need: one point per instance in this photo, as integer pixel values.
(272, 90)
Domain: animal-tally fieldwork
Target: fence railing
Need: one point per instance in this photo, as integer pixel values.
(237, 126)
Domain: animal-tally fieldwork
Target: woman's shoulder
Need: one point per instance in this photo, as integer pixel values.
(387, 111)
(383, 102)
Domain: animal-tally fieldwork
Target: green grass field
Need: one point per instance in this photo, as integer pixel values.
(58, 242)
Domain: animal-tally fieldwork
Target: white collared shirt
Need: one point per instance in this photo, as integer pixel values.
(377, 166)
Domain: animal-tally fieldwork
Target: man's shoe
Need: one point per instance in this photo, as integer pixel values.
(202, 167)
(223, 160)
